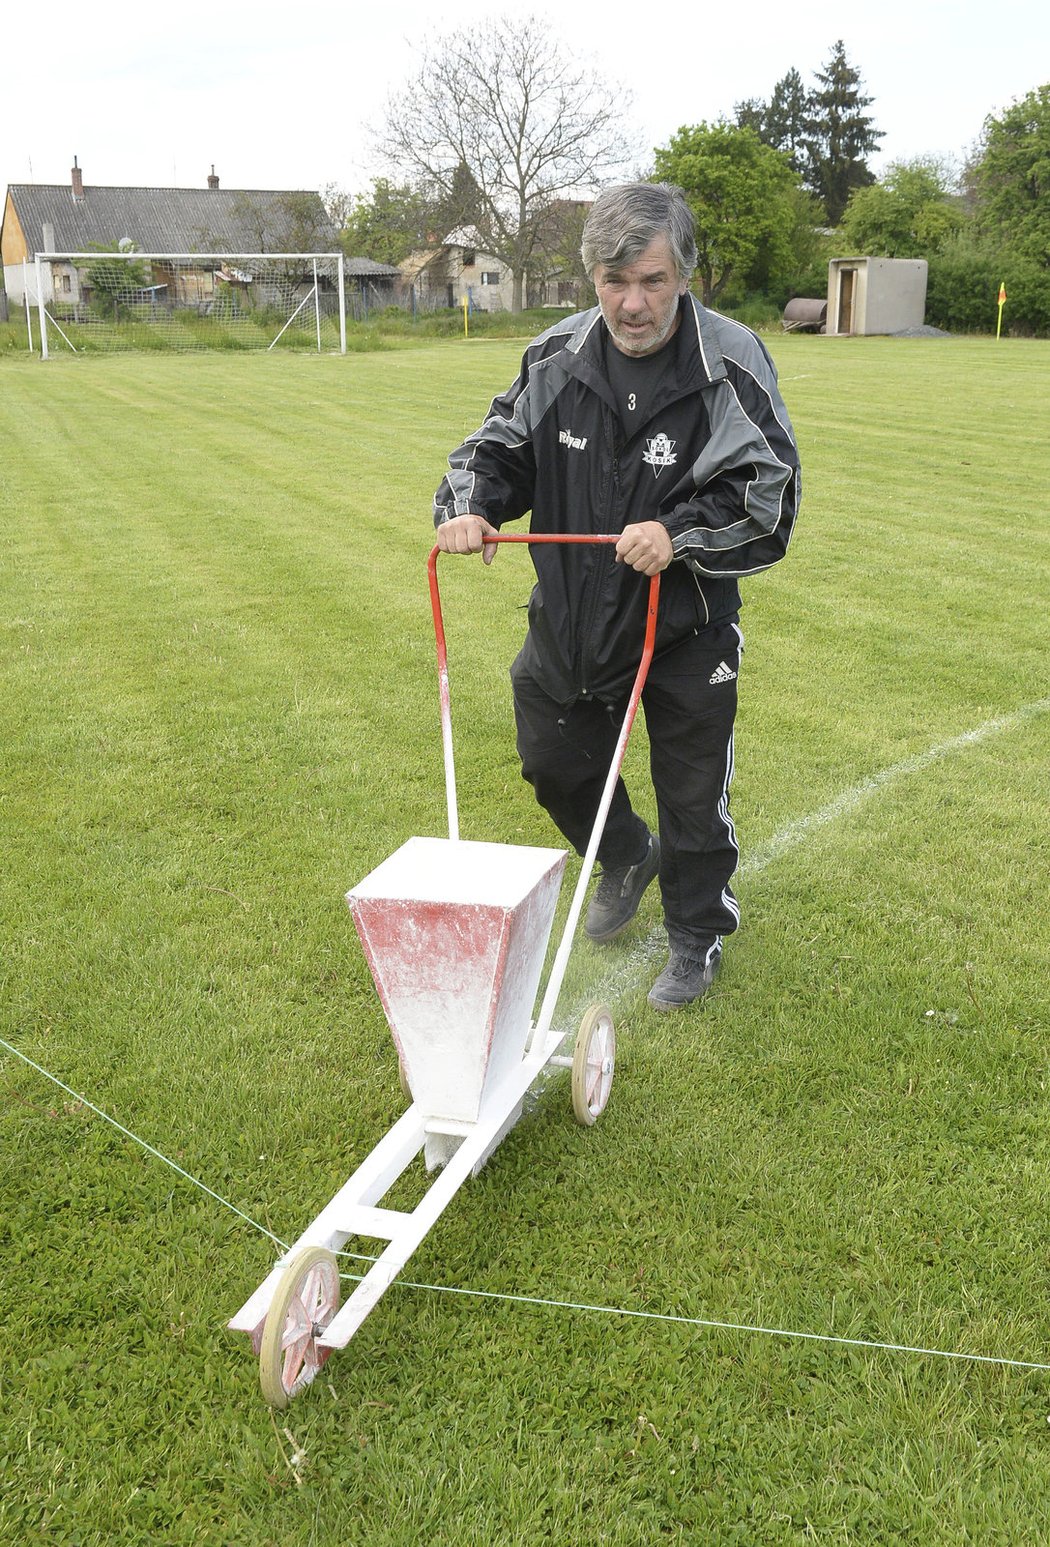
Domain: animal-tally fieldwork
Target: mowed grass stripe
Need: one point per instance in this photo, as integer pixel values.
(218, 674)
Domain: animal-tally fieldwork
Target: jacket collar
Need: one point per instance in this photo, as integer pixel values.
(707, 345)
(700, 362)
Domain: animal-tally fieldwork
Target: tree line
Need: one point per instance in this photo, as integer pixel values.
(502, 135)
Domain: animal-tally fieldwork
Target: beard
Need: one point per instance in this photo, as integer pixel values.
(647, 343)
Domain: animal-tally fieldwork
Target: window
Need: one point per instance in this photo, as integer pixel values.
(470, 257)
(490, 277)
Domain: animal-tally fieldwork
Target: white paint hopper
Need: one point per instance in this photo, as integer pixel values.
(455, 935)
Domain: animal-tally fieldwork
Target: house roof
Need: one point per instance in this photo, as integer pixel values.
(367, 268)
(164, 219)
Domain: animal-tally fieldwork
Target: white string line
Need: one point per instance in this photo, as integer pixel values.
(722, 1326)
(516, 1299)
(147, 1147)
(789, 837)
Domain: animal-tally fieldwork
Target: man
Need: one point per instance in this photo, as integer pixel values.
(655, 418)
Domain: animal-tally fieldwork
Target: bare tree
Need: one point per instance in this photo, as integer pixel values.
(531, 125)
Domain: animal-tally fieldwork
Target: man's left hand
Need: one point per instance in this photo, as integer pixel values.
(646, 547)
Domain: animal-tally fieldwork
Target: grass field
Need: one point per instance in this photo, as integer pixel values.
(220, 711)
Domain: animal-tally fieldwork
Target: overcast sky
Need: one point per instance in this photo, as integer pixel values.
(283, 98)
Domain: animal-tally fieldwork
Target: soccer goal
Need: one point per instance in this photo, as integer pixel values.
(94, 301)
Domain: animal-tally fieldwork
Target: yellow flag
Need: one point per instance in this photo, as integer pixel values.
(1002, 294)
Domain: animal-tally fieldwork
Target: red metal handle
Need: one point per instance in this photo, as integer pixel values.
(648, 644)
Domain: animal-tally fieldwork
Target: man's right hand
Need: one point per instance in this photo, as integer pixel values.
(466, 534)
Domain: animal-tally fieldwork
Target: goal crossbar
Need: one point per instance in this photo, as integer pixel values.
(204, 261)
(187, 257)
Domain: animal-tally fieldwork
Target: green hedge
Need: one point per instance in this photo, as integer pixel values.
(963, 288)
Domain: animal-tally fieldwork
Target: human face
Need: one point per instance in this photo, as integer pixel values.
(640, 302)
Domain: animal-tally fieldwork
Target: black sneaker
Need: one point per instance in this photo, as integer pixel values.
(685, 978)
(615, 903)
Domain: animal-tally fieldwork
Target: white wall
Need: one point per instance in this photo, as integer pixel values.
(487, 298)
(889, 294)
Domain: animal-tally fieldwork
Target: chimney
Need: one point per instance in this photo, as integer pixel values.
(78, 182)
(213, 181)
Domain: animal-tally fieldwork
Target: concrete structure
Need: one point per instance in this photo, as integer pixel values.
(876, 295)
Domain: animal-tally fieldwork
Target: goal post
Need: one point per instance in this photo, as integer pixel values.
(127, 300)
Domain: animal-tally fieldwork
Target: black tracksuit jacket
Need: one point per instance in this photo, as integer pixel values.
(715, 461)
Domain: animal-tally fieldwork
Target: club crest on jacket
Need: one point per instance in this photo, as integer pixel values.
(660, 453)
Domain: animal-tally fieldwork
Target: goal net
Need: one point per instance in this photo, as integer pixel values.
(93, 301)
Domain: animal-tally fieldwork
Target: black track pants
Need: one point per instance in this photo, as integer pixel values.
(689, 702)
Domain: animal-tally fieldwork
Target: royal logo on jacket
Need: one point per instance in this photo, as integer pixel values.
(660, 453)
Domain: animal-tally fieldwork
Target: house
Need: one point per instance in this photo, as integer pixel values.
(460, 269)
(455, 271)
(40, 218)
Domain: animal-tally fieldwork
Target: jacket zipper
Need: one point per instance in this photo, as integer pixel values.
(597, 584)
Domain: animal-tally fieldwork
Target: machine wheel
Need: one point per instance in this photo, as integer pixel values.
(593, 1062)
(306, 1299)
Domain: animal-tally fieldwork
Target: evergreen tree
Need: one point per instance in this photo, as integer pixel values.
(463, 206)
(786, 119)
(751, 114)
(781, 122)
(839, 135)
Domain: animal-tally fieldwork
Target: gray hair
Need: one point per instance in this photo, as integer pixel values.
(625, 219)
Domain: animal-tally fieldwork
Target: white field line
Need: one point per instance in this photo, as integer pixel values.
(798, 831)
(629, 964)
